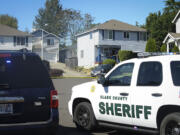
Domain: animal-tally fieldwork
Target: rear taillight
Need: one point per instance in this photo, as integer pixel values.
(54, 99)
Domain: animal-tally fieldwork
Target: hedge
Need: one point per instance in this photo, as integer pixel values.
(109, 61)
(125, 55)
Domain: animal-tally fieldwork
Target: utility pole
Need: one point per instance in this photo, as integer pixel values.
(42, 45)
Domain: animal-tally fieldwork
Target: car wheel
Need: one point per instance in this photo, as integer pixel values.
(170, 125)
(84, 116)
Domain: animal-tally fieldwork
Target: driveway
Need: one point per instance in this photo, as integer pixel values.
(67, 71)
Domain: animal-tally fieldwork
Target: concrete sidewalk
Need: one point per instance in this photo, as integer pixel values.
(67, 71)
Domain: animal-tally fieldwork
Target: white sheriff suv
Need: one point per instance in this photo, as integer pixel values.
(141, 94)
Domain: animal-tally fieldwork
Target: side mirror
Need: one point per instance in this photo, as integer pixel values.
(101, 79)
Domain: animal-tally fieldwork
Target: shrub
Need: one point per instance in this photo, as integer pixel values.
(109, 61)
(56, 72)
(175, 49)
(163, 48)
(125, 55)
(151, 45)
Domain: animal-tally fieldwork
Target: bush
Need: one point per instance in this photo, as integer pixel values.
(163, 48)
(151, 45)
(56, 72)
(109, 61)
(175, 49)
(125, 55)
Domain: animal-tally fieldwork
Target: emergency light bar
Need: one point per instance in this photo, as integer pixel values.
(147, 54)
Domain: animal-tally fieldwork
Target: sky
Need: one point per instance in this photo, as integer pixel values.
(128, 11)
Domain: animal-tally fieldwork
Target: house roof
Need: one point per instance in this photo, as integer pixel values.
(48, 33)
(176, 17)
(174, 36)
(9, 31)
(115, 25)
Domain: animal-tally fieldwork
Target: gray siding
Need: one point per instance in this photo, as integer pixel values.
(133, 35)
(119, 35)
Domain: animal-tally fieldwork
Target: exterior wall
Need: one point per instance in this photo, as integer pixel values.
(135, 46)
(87, 45)
(50, 52)
(178, 26)
(8, 44)
(131, 44)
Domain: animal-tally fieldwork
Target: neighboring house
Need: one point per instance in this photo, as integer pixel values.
(67, 53)
(174, 38)
(104, 41)
(50, 45)
(13, 39)
(68, 56)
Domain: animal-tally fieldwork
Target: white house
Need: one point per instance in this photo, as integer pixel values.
(174, 38)
(105, 40)
(13, 39)
(50, 43)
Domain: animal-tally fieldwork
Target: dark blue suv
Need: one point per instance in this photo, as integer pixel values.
(28, 99)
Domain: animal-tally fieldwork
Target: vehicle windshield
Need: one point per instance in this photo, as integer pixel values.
(23, 72)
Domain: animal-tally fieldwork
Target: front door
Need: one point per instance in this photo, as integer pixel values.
(114, 99)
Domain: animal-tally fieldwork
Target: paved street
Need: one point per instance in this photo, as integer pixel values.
(67, 127)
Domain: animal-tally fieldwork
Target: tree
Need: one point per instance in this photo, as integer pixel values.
(158, 24)
(175, 49)
(51, 18)
(125, 55)
(163, 48)
(151, 45)
(9, 21)
(77, 23)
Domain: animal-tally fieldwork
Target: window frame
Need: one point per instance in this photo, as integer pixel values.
(50, 42)
(139, 73)
(1, 40)
(108, 34)
(172, 73)
(82, 53)
(107, 78)
(126, 34)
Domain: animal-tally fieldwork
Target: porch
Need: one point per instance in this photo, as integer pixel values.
(106, 51)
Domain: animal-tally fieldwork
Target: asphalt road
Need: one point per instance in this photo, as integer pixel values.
(67, 127)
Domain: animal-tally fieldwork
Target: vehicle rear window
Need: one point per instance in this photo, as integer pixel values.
(175, 71)
(23, 71)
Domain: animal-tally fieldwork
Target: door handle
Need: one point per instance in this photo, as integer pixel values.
(124, 94)
(156, 94)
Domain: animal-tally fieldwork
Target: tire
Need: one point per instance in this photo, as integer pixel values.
(84, 116)
(170, 125)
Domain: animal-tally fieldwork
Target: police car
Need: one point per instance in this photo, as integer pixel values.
(141, 94)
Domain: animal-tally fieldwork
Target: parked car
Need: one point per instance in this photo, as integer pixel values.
(101, 69)
(28, 99)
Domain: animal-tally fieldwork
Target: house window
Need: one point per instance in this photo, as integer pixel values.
(82, 53)
(1, 40)
(20, 40)
(126, 35)
(108, 34)
(142, 36)
(50, 41)
(90, 36)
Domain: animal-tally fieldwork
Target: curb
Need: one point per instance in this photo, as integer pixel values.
(64, 77)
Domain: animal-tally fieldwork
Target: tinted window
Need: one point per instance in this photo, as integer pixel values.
(150, 74)
(175, 71)
(23, 72)
(121, 76)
